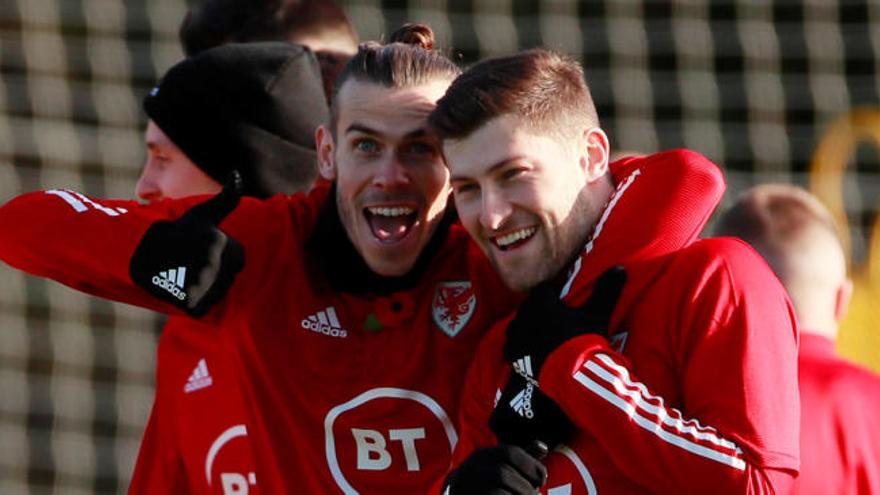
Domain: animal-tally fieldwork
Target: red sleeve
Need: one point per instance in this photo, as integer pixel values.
(80, 242)
(662, 203)
(87, 244)
(735, 351)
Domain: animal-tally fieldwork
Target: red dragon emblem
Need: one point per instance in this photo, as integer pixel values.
(453, 306)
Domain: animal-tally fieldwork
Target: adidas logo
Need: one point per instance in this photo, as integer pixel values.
(199, 378)
(522, 402)
(172, 281)
(325, 322)
(523, 366)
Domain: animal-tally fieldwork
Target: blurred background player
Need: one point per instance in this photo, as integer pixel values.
(840, 427)
(251, 108)
(320, 25)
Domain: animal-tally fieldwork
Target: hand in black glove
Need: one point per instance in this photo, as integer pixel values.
(543, 322)
(503, 469)
(524, 416)
(189, 262)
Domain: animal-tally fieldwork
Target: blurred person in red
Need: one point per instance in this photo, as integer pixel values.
(840, 427)
(354, 319)
(674, 372)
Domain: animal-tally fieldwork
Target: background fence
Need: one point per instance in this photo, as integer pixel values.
(754, 85)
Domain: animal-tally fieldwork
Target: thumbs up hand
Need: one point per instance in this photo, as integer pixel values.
(189, 262)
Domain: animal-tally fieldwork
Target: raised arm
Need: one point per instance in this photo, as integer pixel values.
(110, 248)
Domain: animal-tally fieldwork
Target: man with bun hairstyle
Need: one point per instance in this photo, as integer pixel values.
(840, 428)
(358, 306)
(347, 298)
(674, 372)
(247, 108)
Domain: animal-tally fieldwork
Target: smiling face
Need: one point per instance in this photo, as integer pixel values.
(169, 173)
(526, 199)
(392, 185)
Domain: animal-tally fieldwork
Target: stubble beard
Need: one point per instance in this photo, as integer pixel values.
(570, 238)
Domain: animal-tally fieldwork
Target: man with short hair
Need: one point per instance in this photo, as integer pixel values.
(840, 428)
(681, 380)
(319, 24)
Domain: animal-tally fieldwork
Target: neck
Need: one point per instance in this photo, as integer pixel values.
(829, 332)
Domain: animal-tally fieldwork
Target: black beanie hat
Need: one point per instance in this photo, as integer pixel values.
(251, 107)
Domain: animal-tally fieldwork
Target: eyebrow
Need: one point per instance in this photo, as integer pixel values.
(369, 130)
(494, 167)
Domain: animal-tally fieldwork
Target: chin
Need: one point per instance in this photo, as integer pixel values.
(515, 281)
(391, 268)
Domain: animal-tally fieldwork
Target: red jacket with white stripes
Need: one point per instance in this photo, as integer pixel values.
(696, 391)
(343, 389)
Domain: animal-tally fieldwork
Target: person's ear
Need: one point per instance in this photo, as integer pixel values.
(842, 297)
(596, 149)
(326, 146)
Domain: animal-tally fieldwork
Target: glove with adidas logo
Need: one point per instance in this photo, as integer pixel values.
(525, 417)
(500, 469)
(543, 322)
(189, 262)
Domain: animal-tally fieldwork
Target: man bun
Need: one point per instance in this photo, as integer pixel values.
(417, 34)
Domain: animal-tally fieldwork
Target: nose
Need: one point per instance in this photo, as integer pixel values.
(495, 209)
(391, 174)
(146, 188)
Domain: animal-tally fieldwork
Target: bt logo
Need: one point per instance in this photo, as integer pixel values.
(372, 448)
(387, 434)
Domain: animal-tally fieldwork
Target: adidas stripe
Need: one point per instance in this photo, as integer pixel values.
(612, 382)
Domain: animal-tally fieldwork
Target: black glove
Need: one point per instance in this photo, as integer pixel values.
(543, 322)
(189, 262)
(524, 416)
(503, 469)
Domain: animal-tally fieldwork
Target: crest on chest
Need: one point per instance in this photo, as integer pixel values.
(453, 305)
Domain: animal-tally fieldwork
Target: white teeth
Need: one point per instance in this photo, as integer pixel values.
(397, 211)
(512, 237)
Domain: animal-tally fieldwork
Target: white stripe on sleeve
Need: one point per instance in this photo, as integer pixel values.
(633, 399)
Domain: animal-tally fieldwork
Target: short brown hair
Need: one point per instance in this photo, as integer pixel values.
(215, 22)
(774, 218)
(545, 88)
(408, 60)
